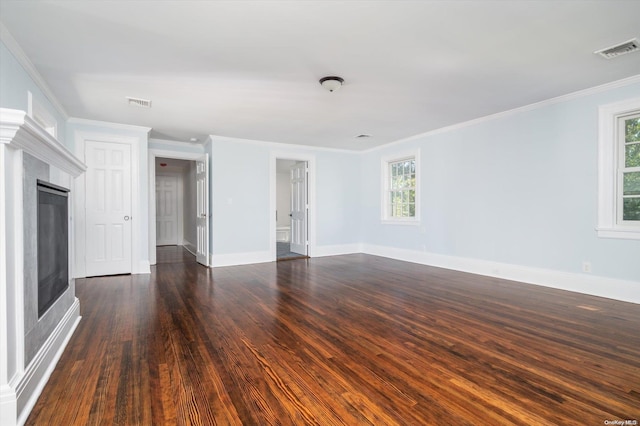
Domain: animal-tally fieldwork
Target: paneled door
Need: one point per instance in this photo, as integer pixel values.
(108, 208)
(299, 208)
(166, 210)
(202, 211)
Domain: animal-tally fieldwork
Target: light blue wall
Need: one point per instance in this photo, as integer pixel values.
(14, 85)
(338, 198)
(521, 189)
(240, 199)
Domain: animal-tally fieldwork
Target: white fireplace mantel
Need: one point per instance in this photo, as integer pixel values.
(20, 131)
(22, 378)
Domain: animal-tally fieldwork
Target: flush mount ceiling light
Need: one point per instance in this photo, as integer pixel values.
(331, 83)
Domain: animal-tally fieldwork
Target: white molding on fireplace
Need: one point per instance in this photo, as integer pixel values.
(35, 377)
(20, 385)
(20, 131)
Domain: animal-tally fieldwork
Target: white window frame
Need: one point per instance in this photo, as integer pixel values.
(386, 181)
(610, 223)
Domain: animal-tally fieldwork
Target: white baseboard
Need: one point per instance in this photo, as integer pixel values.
(8, 406)
(627, 291)
(240, 258)
(29, 385)
(144, 267)
(190, 247)
(336, 250)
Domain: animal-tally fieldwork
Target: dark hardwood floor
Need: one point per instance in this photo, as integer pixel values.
(352, 340)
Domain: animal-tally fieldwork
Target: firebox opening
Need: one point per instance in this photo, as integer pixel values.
(53, 244)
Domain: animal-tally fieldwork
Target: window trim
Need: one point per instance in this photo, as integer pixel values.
(609, 184)
(385, 162)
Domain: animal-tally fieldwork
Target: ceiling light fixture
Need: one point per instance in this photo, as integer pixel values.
(331, 83)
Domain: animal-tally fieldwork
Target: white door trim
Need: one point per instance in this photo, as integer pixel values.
(311, 194)
(152, 154)
(299, 206)
(79, 207)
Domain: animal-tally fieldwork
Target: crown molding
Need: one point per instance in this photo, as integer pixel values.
(107, 124)
(277, 145)
(25, 62)
(177, 144)
(552, 101)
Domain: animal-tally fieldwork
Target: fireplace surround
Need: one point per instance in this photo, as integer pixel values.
(32, 334)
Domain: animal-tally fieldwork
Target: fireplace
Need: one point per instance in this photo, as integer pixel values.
(53, 244)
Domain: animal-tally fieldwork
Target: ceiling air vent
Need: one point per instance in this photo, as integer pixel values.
(142, 103)
(620, 49)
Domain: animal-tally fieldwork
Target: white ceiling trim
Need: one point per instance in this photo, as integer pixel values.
(118, 126)
(177, 144)
(25, 62)
(279, 145)
(558, 99)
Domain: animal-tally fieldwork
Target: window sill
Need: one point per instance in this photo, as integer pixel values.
(621, 233)
(405, 222)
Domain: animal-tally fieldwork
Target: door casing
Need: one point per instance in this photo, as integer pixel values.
(311, 198)
(190, 156)
(298, 181)
(138, 264)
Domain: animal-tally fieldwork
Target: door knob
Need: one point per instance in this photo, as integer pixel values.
(126, 218)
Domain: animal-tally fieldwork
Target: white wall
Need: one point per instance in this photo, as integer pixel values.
(519, 189)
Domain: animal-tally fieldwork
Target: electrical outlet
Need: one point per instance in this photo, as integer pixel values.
(586, 267)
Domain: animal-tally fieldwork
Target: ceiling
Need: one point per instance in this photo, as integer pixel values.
(250, 69)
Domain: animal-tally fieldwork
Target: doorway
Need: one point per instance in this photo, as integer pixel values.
(179, 203)
(175, 203)
(292, 209)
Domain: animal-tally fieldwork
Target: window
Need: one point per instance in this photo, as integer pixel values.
(629, 167)
(619, 170)
(400, 189)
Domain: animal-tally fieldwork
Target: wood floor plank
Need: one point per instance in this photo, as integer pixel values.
(341, 340)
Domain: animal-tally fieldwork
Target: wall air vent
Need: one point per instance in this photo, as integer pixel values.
(620, 49)
(142, 103)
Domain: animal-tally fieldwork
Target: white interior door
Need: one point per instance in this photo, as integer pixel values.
(299, 208)
(108, 208)
(202, 211)
(166, 210)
